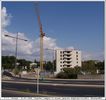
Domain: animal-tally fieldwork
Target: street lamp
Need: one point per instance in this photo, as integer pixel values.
(53, 57)
(17, 38)
(35, 66)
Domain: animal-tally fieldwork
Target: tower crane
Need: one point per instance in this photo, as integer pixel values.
(42, 34)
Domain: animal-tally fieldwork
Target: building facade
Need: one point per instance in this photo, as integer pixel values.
(66, 58)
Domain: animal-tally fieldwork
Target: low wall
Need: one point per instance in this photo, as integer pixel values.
(33, 75)
(90, 76)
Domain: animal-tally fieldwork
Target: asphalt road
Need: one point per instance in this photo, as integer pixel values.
(80, 89)
(11, 93)
(62, 81)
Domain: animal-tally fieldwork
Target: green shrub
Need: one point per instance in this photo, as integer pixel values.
(62, 75)
(66, 75)
(16, 71)
(72, 76)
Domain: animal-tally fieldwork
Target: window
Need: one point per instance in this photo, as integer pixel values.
(60, 58)
(77, 62)
(60, 51)
(76, 55)
(69, 62)
(68, 51)
(60, 55)
(60, 65)
(68, 65)
(76, 52)
(76, 58)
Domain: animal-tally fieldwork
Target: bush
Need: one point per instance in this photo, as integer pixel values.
(16, 71)
(72, 76)
(66, 75)
(62, 75)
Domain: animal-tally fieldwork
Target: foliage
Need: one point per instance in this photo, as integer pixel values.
(70, 73)
(54, 62)
(62, 75)
(38, 63)
(72, 76)
(16, 71)
(69, 70)
(89, 67)
(8, 62)
(23, 63)
(75, 70)
(49, 66)
(100, 67)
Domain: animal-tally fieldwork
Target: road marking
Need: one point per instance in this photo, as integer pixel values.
(54, 84)
(78, 85)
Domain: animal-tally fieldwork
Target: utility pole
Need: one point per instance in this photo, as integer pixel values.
(16, 38)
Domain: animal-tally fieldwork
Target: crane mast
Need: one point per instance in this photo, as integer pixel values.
(42, 34)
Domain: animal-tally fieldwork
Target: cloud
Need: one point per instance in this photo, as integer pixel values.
(92, 56)
(31, 49)
(9, 44)
(5, 18)
(70, 47)
(48, 43)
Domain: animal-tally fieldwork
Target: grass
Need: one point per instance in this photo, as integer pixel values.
(27, 90)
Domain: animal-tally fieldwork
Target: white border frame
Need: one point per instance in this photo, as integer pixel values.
(62, 98)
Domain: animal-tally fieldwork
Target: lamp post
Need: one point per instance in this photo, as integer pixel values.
(35, 66)
(53, 58)
(17, 38)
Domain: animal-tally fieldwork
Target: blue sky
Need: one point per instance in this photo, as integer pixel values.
(76, 24)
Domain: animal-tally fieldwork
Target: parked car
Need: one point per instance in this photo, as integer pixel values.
(6, 73)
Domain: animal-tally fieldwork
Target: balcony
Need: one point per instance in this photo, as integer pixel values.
(67, 59)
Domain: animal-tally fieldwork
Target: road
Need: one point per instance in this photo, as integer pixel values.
(62, 81)
(66, 88)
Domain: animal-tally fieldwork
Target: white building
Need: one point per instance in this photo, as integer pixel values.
(67, 58)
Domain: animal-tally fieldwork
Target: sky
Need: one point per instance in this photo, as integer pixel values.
(78, 25)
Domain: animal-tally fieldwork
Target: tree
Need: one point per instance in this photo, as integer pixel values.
(89, 67)
(16, 71)
(54, 65)
(100, 67)
(8, 62)
(77, 69)
(38, 63)
(71, 72)
(24, 64)
(49, 66)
